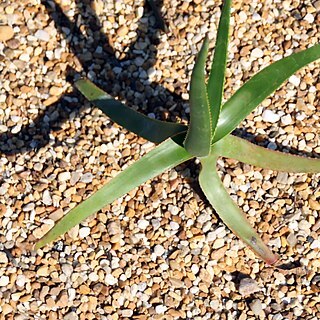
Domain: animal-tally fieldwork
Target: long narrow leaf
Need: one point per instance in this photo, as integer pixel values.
(259, 87)
(199, 135)
(217, 74)
(229, 212)
(247, 152)
(165, 156)
(150, 129)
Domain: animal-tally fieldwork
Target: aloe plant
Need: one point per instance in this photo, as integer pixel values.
(207, 137)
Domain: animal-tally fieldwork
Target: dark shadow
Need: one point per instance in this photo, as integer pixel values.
(289, 265)
(98, 59)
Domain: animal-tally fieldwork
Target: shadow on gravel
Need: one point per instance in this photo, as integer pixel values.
(95, 54)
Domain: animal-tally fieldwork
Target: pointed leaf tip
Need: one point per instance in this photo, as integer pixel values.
(228, 210)
(199, 135)
(217, 73)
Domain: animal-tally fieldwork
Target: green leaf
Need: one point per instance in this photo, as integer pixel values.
(244, 151)
(164, 157)
(199, 135)
(229, 212)
(150, 129)
(259, 87)
(217, 74)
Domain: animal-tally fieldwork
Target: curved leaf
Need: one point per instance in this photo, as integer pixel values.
(217, 73)
(164, 157)
(151, 129)
(229, 212)
(199, 135)
(259, 87)
(247, 152)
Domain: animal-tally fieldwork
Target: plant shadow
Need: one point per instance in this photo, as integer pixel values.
(98, 60)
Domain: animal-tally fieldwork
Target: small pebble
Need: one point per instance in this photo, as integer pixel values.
(87, 177)
(4, 281)
(3, 258)
(21, 280)
(248, 286)
(64, 176)
(42, 35)
(127, 313)
(256, 306)
(309, 18)
(6, 33)
(160, 309)
(143, 224)
(294, 80)
(84, 232)
(270, 116)
(110, 280)
(159, 250)
(286, 120)
(257, 53)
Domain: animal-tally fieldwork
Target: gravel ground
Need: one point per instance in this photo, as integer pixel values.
(159, 252)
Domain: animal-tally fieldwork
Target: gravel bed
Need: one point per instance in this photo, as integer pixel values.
(159, 252)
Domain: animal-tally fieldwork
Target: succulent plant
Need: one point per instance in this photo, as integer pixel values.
(207, 137)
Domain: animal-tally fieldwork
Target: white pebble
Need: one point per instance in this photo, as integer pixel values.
(277, 316)
(3, 257)
(173, 209)
(3, 98)
(159, 250)
(294, 80)
(155, 223)
(270, 116)
(110, 279)
(84, 232)
(127, 313)
(24, 57)
(256, 306)
(160, 309)
(256, 53)
(211, 236)
(174, 225)
(104, 148)
(194, 269)
(286, 120)
(42, 35)
(21, 280)
(309, 18)
(4, 281)
(67, 269)
(93, 277)
(218, 243)
(203, 217)
(143, 224)
(315, 244)
(64, 176)
(46, 198)
(304, 225)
